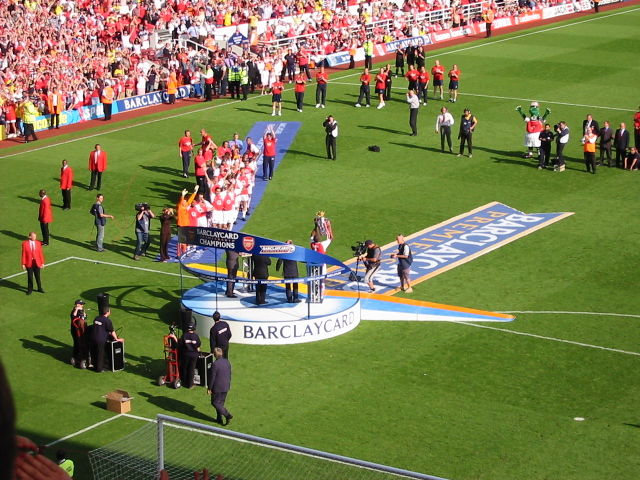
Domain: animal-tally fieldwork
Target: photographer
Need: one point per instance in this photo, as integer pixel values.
(79, 334)
(371, 261)
(331, 129)
(143, 221)
(561, 140)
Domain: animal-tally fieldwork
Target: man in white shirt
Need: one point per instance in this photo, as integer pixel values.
(443, 127)
(331, 129)
(414, 107)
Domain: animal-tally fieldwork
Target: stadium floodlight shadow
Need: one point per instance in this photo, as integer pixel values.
(383, 129)
(55, 349)
(172, 405)
(305, 154)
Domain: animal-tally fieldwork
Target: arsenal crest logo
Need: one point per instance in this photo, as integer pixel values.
(248, 243)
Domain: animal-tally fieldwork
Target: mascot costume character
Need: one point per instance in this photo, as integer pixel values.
(534, 125)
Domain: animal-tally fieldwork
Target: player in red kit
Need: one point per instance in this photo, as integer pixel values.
(276, 97)
(423, 85)
(269, 154)
(365, 91)
(437, 72)
(454, 76)
(301, 85)
(381, 81)
(412, 77)
(322, 78)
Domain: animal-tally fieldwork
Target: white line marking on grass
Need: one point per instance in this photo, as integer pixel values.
(131, 267)
(79, 432)
(603, 314)
(46, 265)
(553, 339)
(136, 417)
(516, 99)
(176, 115)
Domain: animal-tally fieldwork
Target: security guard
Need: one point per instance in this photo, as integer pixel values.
(100, 332)
(368, 53)
(219, 335)
(65, 463)
(234, 81)
(79, 334)
(189, 345)
(244, 81)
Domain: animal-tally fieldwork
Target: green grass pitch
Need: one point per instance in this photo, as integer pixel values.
(445, 399)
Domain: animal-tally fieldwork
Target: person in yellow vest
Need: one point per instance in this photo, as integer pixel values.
(107, 98)
(29, 115)
(589, 148)
(488, 16)
(65, 463)
(56, 106)
(368, 53)
(172, 88)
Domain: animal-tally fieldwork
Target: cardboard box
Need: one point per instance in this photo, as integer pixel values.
(118, 401)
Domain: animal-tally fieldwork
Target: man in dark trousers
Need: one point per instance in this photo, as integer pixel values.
(189, 346)
(546, 140)
(414, 108)
(261, 272)
(219, 335)
(100, 333)
(219, 385)
(32, 261)
(289, 270)
(621, 142)
(331, 129)
(80, 356)
(606, 139)
(45, 216)
(232, 272)
(468, 124)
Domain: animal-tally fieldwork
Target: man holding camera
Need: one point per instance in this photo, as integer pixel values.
(562, 138)
(371, 259)
(143, 221)
(331, 129)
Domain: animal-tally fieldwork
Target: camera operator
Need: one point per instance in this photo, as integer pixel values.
(561, 140)
(371, 259)
(143, 221)
(79, 334)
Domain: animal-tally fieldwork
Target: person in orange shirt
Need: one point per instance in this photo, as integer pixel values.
(488, 16)
(172, 88)
(301, 85)
(55, 105)
(107, 98)
(589, 147)
(182, 216)
(45, 216)
(454, 76)
(32, 261)
(66, 184)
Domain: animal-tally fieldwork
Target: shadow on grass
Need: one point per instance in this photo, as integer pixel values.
(13, 285)
(76, 184)
(172, 405)
(175, 172)
(30, 199)
(383, 129)
(170, 191)
(253, 110)
(418, 147)
(304, 154)
(52, 348)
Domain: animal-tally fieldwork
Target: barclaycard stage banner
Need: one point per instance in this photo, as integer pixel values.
(253, 245)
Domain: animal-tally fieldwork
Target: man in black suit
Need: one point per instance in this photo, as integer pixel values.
(621, 142)
(219, 385)
(219, 335)
(606, 139)
(289, 270)
(588, 124)
(261, 272)
(232, 271)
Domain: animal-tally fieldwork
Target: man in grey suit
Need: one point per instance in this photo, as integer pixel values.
(219, 385)
(606, 139)
(621, 142)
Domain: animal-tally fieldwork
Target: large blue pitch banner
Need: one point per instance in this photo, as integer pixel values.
(254, 245)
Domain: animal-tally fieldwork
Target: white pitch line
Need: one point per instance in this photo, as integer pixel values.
(602, 314)
(515, 98)
(553, 339)
(46, 265)
(130, 267)
(79, 432)
(177, 115)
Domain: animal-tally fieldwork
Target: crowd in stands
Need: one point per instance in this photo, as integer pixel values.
(75, 47)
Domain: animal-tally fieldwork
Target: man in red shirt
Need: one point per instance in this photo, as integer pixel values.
(32, 261)
(185, 146)
(365, 78)
(97, 165)
(303, 63)
(412, 77)
(299, 89)
(423, 85)
(66, 184)
(276, 97)
(454, 76)
(322, 78)
(45, 216)
(269, 154)
(381, 81)
(200, 163)
(437, 71)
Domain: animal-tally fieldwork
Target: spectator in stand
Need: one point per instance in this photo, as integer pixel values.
(55, 106)
(29, 114)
